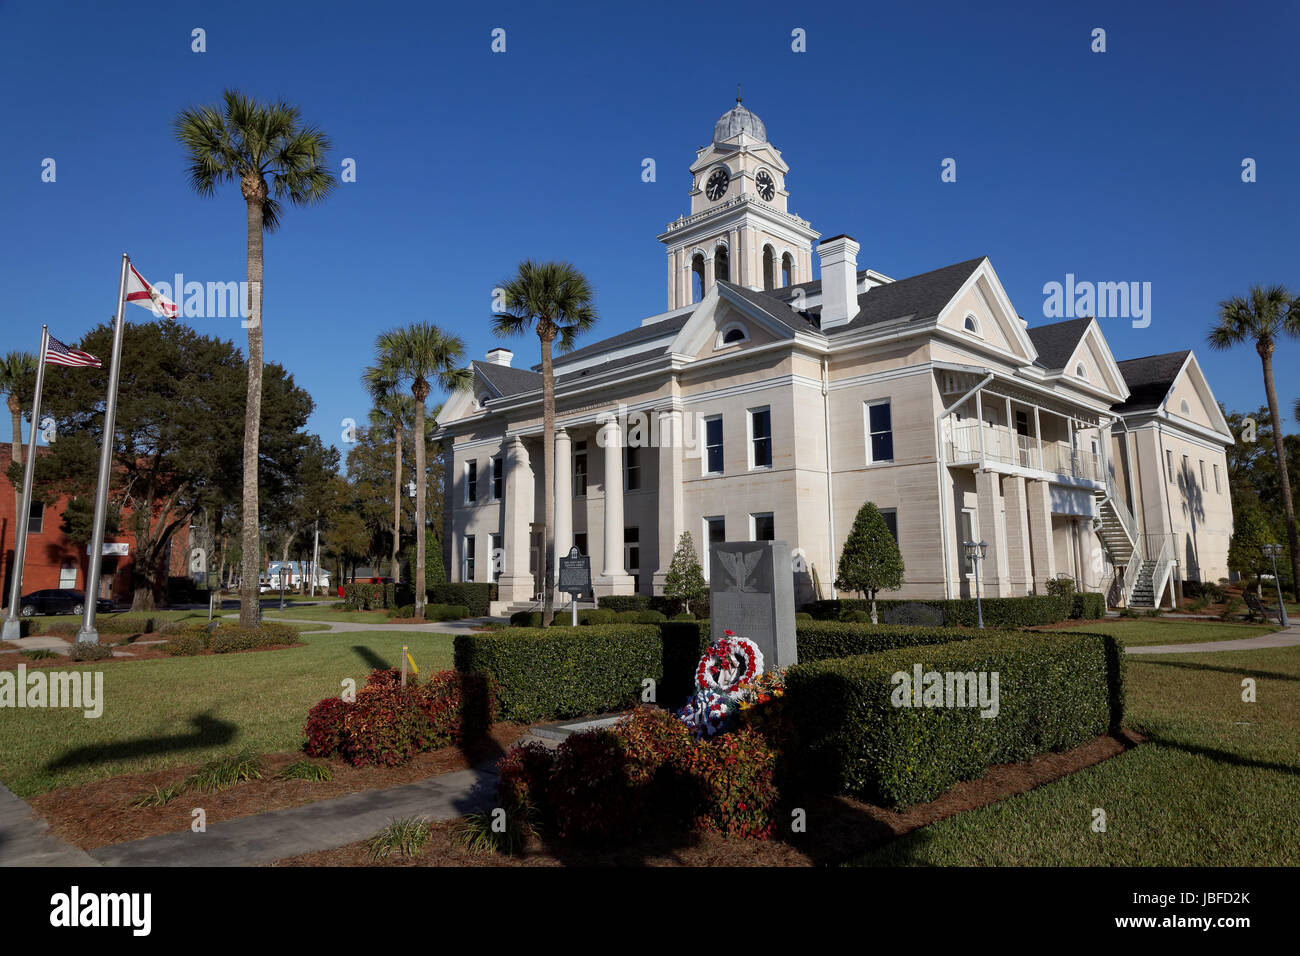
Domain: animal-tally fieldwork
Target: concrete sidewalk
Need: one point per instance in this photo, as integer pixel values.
(26, 840)
(324, 825)
(1287, 638)
(464, 626)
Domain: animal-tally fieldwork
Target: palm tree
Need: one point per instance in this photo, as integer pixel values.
(396, 410)
(245, 141)
(15, 368)
(420, 354)
(1263, 315)
(554, 299)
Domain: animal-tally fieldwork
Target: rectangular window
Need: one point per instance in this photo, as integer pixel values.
(498, 556)
(498, 479)
(632, 555)
(1204, 483)
(1022, 423)
(471, 482)
(764, 528)
(580, 470)
(713, 445)
(467, 559)
(715, 532)
(967, 534)
(1218, 490)
(36, 518)
(891, 520)
(880, 432)
(68, 575)
(1169, 463)
(632, 467)
(1187, 469)
(580, 542)
(760, 434)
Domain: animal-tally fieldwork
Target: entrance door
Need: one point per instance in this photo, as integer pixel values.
(535, 562)
(632, 556)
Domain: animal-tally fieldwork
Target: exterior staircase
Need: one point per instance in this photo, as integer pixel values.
(1118, 534)
(1143, 593)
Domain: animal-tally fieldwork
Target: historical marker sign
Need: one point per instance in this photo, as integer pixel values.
(575, 573)
(751, 592)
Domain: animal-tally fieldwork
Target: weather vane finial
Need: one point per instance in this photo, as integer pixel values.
(737, 92)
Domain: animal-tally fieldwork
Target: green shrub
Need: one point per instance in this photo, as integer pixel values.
(405, 837)
(230, 637)
(1055, 691)
(365, 596)
(1231, 608)
(642, 617)
(803, 617)
(56, 628)
(447, 612)
(86, 651)
(1061, 587)
(624, 602)
(1088, 607)
(823, 640)
(546, 673)
(306, 770)
(684, 616)
(998, 612)
(40, 654)
(188, 644)
(225, 772)
(474, 597)
(125, 624)
(157, 797)
(406, 610)
(597, 616)
(526, 619)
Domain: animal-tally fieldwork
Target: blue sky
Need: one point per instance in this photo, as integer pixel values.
(1122, 166)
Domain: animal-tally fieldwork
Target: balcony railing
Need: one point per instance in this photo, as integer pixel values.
(1009, 447)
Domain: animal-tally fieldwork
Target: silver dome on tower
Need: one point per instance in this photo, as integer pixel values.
(739, 120)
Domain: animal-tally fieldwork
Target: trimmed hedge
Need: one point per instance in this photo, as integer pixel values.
(85, 651)
(1089, 607)
(228, 638)
(824, 640)
(364, 596)
(548, 673)
(476, 597)
(624, 602)
(432, 612)
(998, 612)
(1055, 691)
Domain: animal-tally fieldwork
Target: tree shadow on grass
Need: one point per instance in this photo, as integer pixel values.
(372, 660)
(1237, 671)
(1224, 756)
(208, 731)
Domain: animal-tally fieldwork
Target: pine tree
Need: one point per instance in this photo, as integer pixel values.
(685, 579)
(870, 561)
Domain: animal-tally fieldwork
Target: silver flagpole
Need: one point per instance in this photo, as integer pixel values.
(88, 634)
(13, 628)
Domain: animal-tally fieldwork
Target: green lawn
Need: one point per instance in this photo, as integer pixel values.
(379, 618)
(167, 712)
(1218, 783)
(1162, 630)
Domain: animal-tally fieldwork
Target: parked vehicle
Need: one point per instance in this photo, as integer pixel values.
(59, 601)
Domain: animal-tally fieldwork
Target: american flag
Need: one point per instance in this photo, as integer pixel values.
(59, 354)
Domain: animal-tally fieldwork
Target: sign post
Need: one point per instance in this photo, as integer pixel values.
(575, 578)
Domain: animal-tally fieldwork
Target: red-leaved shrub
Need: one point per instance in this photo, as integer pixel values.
(523, 777)
(735, 779)
(324, 730)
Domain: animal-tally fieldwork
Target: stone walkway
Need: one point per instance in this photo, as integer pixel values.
(1287, 638)
(341, 627)
(26, 840)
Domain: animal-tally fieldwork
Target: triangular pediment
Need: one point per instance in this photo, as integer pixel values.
(981, 316)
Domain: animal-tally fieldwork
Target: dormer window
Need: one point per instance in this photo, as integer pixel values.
(732, 334)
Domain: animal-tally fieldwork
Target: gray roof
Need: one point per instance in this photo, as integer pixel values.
(507, 380)
(737, 120)
(1149, 379)
(920, 296)
(773, 306)
(642, 333)
(1057, 341)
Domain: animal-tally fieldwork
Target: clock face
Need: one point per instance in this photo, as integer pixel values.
(766, 188)
(717, 184)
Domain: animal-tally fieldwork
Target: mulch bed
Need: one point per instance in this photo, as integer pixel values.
(838, 828)
(96, 814)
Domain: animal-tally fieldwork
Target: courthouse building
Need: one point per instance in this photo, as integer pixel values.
(767, 404)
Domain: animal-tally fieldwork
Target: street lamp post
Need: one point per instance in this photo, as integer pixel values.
(1273, 550)
(976, 551)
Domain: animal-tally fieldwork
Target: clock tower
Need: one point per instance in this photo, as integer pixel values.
(740, 228)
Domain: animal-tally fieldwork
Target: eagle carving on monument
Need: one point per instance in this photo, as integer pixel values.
(740, 567)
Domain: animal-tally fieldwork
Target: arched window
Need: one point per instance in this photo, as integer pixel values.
(787, 270)
(769, 269)
(697, 277)
(1081, 372)
(971, 325)
(731, 334)
(1184, 407)
(721, 264)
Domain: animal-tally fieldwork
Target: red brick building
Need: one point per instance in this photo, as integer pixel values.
(55, 561)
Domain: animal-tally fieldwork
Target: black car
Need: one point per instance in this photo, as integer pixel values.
(59, 601)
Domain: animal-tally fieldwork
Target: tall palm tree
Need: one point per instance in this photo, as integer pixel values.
(274, 157)
(1263, 315)
(423, 355)
(396, 410)
(553, 299)
(15, 369)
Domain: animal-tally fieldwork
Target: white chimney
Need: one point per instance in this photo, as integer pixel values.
(500, 357)
(839, 259)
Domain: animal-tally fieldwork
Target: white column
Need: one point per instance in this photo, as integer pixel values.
(516, 584)
(615, 579)
(672, 470)
(563, 494)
